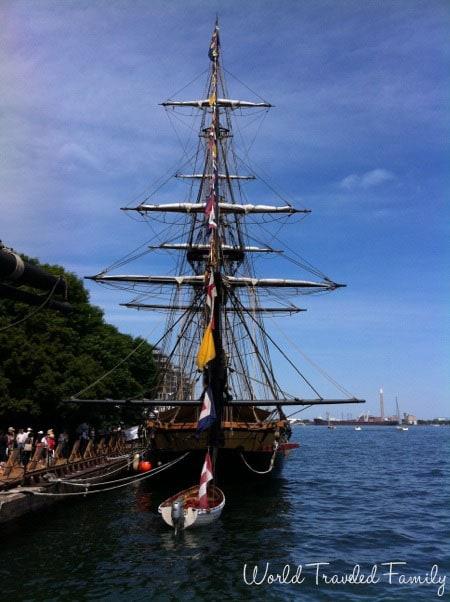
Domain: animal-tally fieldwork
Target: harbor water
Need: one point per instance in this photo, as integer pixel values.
(345, 497)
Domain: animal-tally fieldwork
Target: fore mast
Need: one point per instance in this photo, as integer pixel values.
(215, 375)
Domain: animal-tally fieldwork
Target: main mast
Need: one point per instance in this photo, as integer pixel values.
(215, 375)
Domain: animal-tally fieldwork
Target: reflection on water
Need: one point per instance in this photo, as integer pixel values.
(339, 499)
(143, 502)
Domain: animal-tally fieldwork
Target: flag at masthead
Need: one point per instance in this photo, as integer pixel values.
(214, 46)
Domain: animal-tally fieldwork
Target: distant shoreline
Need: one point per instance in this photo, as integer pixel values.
(368, 424)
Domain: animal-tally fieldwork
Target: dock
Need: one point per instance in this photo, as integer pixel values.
(24, 489)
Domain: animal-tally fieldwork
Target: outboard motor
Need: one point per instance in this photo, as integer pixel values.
(177, 515)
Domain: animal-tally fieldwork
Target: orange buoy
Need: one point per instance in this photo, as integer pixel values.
(144, 466)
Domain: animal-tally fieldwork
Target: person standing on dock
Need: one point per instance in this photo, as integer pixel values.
(28, 447)
(43, 443)
(63, 441)
(51, 444)
(21, 437)
(83, 434)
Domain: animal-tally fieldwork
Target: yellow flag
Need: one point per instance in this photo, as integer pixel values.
(207, 351)
(212, 100)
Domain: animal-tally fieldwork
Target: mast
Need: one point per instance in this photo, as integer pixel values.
(215, 375)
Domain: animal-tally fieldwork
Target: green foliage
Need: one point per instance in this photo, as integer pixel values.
(51, 356)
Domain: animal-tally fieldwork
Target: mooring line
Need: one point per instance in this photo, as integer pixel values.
(106, 473)
(271, 465)
(84, 493)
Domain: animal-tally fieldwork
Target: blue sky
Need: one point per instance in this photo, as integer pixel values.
(359, 134)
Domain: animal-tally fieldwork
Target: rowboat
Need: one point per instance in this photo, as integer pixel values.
(183, 511)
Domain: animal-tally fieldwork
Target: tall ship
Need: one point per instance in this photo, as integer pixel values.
(217, 387)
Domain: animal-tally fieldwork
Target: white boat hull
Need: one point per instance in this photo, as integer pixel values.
(194, 516)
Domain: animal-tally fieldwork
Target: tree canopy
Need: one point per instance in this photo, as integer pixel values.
(51, 356)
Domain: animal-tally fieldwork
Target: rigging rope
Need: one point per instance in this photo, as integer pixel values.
(243, 84)
(157, 182)
(74, 397)
(307, 265)
(35, 311)
(312, 363)
(278, 348)
(189, 83)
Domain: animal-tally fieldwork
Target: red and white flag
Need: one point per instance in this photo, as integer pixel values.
(205, 477)
(210, 210)
(211, 294)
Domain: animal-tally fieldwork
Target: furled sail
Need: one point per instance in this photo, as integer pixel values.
(220, 176)
(223, 208)
(205, 248)
(221, 102)
(232, 281)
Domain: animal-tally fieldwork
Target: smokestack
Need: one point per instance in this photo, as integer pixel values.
(381, 403)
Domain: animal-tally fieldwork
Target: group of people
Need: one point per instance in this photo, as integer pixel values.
(27, 441)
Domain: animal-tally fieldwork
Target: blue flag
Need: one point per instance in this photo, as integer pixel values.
(208, 412)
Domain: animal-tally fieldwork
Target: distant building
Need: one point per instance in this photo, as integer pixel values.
(409, 418)
(172, 382)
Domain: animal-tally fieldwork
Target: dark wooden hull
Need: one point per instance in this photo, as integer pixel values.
(230, 466)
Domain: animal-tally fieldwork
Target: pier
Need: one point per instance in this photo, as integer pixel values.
(25, 489)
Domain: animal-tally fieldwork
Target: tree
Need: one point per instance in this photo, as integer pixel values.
(51, 356)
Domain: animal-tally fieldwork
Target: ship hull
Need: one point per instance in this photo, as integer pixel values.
(229, 465)
(253, 450)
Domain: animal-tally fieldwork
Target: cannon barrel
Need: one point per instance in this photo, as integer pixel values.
(19, 272)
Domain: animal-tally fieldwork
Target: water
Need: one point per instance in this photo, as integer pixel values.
(344, 497)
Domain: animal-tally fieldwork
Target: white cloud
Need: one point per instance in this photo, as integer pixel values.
(369, 179)
(74, 154)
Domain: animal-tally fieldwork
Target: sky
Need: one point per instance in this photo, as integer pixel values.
(358, 133)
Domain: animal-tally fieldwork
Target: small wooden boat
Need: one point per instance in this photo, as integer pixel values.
(183, 510)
